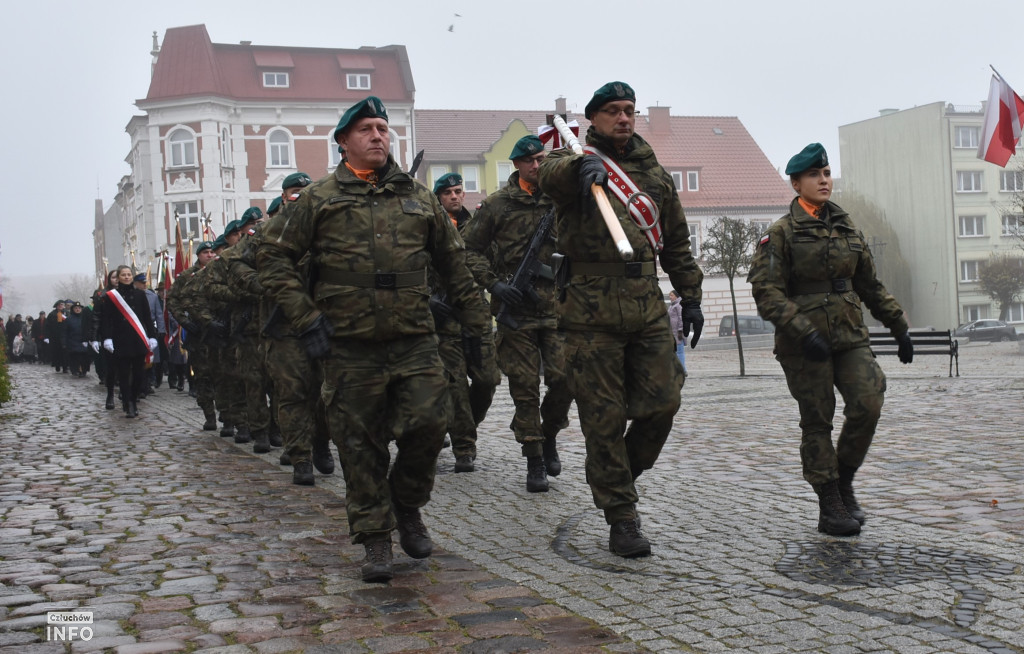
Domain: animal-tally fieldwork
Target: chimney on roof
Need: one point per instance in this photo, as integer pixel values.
(658, 119)
(560, 106)
(155, 52)
(245, 42)
(887, 112)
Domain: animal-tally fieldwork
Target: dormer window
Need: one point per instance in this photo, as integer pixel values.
(275, 80)
(358, 81)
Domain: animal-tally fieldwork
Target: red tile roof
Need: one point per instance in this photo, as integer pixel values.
(733, 170)
(189, 64)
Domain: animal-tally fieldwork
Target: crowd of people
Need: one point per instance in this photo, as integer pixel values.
(367, 310)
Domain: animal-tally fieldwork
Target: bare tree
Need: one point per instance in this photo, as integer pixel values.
(75, 287)
(1016, 208)
(1002, 277)
(728, 249)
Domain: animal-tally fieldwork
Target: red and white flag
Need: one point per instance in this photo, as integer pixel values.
(1004, 116)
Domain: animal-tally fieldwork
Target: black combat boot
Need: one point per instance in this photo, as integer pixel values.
(227, 430)
(833, 519)
(110, 398)
(412, 533)
(626, 539)
(464, 463)
(551, 460)
(211, 422)
(243, 435)
(302, 474)
(536, 475)
(846, 492)
(276, 440)
(286, 459)
(323, 460)
(132, 410)
(378, 568)
(260, 441)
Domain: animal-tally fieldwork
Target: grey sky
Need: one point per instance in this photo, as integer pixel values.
(793, 72)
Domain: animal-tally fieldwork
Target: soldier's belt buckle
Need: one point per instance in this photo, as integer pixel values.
(634, 269)
(384, 280)
(839, 285)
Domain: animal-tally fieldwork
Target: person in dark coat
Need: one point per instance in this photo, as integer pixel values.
(104, 360)
(129, 340)
(76, 340)
(54, 337)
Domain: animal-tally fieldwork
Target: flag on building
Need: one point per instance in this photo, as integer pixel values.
(1004, 116)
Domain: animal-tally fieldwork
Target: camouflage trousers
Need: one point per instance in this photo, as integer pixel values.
(228, 390)
(524, 355)
(297, 382)
(861, 382)
(249, 361)
(202, 370)
(617, 377)
(375, 392)
(470, 390)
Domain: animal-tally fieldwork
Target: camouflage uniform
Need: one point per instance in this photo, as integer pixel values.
(470, 388)
(812, 274)
(620, 354)
(496, 241)
(199, 356)
(371, 245)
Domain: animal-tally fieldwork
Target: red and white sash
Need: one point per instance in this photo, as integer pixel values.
(133, 320)
(641, 206)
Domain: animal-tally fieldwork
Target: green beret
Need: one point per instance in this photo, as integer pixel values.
(251, 214)
(231, 228)
(610, 92)
(447, 180)
(813, 156)
(296, 179)
(205, 245)
(527, 147)
(371, 107)
(275, 206)
(220, 241)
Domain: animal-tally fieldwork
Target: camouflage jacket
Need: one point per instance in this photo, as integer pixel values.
(179, 298)
(618, 303)
(496, 241)
(351, 227)
(797, 259)
(452, 326)
(239, 285)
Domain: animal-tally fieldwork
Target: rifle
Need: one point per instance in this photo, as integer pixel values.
(529, 269)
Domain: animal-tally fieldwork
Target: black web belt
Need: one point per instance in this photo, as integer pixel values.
(374, 279)
(625, 269)
(821, 286)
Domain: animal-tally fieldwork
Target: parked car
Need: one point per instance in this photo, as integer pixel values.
(986, 330)
(748, 325)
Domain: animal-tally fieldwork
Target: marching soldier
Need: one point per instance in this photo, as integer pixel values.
(372, 232)
(470, 388)
(620, 354)
(199, 357)
(497, 240)
(811, 271)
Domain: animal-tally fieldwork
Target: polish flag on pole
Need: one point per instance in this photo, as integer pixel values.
(1004, 116)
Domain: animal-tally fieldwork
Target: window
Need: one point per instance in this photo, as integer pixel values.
(692, 180)
(188, 218)
(280, 143)
(968, 181)
(1015, 312)
(969, 271)
(275, 80)
(1011, 181)
(504, 172)
(229, 210)
(677, 179)
(974, 312)
(965, 137)
(359, 81)
(972, 225)
(470, 179)
(1013, 224)
(183, 148)
(695, 239)
(436, 172)
(225, 148)
(333, 156)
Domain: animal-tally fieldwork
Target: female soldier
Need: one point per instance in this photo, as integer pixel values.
(128, 333)
(810, 273)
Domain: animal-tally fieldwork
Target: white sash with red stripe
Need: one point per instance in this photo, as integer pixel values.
(133, 320)
(641, 206)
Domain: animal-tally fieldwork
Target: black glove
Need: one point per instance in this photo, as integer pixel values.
(317, 338)
(218, 328)
(592, 171)
(473, 350)
(816, 347)
(510, 295)
(906, 348)
(692, 316)
(192, 328)
(441, 310)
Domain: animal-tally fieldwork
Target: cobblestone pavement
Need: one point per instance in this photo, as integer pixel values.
(179, 540)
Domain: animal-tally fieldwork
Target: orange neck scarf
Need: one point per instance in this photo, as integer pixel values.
(527, 186)
(365, 175)
(812, 210)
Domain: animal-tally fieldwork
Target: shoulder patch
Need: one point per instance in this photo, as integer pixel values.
(764, 239)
